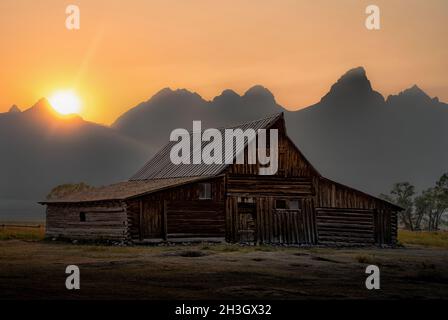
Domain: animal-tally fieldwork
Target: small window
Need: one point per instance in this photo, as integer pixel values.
(246, 200)
(205, 191)
(280, 204)
(82, 217)
(294, 205)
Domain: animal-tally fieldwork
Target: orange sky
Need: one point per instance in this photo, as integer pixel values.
(128, 50)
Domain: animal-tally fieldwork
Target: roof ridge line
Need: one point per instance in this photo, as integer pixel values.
(273, 116)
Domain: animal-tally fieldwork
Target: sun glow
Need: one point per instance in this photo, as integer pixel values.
(65, 102)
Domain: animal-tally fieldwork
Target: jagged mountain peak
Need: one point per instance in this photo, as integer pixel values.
(43, 111)
(14, 109)
(41, 106)
(353, 85)
(415, 91)
(414, 94)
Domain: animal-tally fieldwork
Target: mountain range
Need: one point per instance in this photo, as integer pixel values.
(41, 149)
(353, 135)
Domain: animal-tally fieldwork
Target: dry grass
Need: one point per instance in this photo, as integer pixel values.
(365, 258)
(35, 270)
(21, 233)
(428, 239)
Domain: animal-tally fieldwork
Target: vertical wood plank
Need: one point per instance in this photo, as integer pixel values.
(165, 221)
(140, 220)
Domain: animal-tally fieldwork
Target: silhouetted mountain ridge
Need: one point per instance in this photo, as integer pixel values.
(352, 135)
(412, 95)
(42, 149)
(152, 121)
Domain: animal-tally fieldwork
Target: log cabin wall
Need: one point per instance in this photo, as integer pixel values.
(99, 221)
(178, 212)
(348, 216)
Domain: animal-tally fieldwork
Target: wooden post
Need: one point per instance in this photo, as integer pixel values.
(140, 220)
(165, 222)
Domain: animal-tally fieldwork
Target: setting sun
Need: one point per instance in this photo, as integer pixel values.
(65, 102)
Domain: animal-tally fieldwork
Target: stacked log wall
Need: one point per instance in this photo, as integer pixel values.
(103, 221)
(348, 216)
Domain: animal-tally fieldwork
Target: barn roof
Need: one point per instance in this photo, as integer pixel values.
(124, 190)
(161, 166)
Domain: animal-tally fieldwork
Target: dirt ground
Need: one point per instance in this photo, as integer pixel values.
(36, 270)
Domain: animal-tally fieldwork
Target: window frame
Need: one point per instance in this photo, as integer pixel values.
(288, 204)
(205, 196)
(284, 200)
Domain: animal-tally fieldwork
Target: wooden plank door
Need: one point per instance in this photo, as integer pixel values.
(246, 220)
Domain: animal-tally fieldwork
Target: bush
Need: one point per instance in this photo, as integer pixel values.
(66, 189)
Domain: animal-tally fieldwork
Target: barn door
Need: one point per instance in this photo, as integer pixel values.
(150, 220)
(246, 221)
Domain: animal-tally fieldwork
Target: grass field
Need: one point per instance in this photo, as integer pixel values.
(428, 239)
(20, 232)
(423, 238)
(33, 269)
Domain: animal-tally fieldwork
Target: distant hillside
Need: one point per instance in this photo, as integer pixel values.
(40, 149)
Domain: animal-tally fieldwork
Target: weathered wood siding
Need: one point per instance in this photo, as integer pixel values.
(145, 218)
(329, 212)
(348, 216)
(294, 180)
(291, 162)
(335, 195)
(270, 225)
(349, 226)
(269, 186)
(385, 227)
(195, 218)
(107, 221)
(178, 212)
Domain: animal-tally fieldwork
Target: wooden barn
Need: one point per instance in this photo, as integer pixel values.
(164, 201)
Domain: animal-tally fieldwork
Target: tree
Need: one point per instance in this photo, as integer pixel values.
(402, 195)
(424, 207)
(424, 211)
(440, 200)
